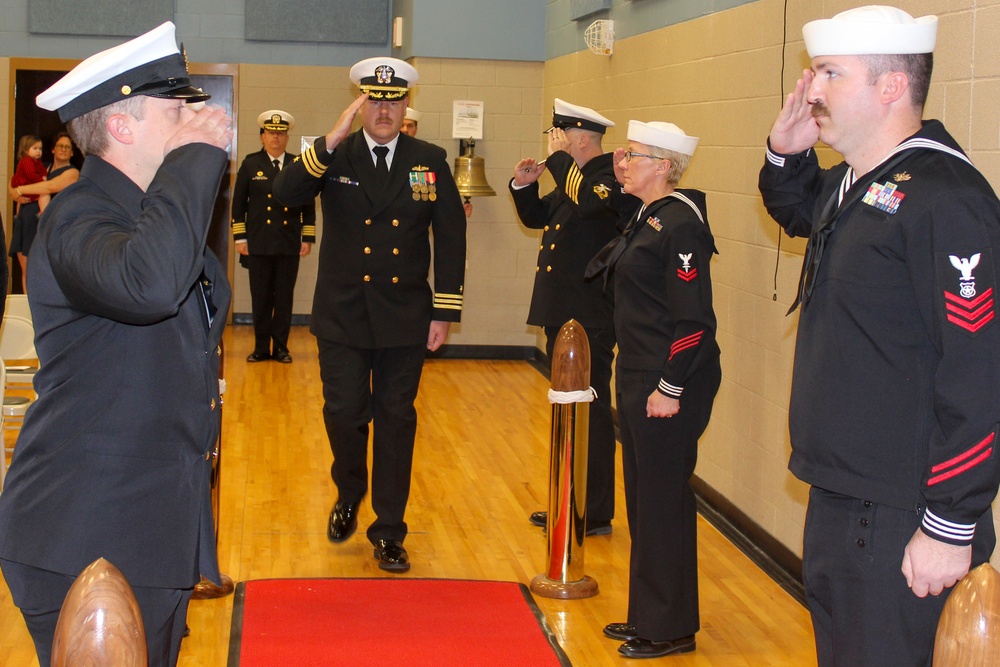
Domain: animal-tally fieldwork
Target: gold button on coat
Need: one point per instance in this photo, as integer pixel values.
(368, 279)
(368, 250)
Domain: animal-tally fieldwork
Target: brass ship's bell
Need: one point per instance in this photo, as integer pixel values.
(470, 175)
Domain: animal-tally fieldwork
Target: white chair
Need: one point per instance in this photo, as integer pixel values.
(17, 350)
(17, 304)
(3, 457)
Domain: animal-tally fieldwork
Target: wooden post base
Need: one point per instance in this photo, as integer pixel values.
(569, 590)
(206, 590)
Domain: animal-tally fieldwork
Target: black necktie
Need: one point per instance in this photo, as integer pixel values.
(277, 164)
(381, 166)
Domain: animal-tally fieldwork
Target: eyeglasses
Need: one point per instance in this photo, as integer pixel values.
(64, 147)
(631, 154)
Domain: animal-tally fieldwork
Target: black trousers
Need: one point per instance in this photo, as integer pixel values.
(863, 613)
(658, 458)
(601, 433)
(272, 289)
(40, 594)
(377, 386)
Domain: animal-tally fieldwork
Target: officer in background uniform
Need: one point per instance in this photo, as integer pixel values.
(577, 219)
(270, 237)
(375, 315)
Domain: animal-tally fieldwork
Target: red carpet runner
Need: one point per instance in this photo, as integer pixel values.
(405, 622)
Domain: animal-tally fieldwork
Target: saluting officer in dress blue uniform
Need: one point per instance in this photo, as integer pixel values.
(375, 314)
(114, 458)
(577, 219)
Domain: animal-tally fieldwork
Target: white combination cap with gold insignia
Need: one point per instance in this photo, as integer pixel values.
(384, 78)
(870, 30)
(662, 135)
(276, 120)
(151, 64)
(413, 114)
(568, 116)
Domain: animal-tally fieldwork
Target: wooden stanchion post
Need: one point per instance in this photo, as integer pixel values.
(567, 523)
(100, 623)
(968, 634)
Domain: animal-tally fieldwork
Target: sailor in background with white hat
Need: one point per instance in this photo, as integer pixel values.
(411, 121)
(270, 237)
(667, 376)
(114, 458)
(576, 219)
(893, 413)
(375, 315)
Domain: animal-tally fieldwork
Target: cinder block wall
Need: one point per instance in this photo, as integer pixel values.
(719, 78)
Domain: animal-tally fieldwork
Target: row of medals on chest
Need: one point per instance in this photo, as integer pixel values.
(423, 185)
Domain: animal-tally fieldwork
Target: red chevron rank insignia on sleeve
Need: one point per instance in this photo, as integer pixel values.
(970, 314)
(967, 286)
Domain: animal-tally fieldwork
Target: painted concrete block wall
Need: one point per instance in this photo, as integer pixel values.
(719, 77)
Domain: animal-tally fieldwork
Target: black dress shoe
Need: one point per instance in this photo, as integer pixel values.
(282, 357)
(596, 528)
(343, 521)
(620, 631)
(644, 648)
(391, 556)
(254, 357)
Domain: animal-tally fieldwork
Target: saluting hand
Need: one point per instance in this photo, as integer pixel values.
(343, 126)
(209, 125)
(795, 130)
(558, 141)
(527, 171)
(619, 156)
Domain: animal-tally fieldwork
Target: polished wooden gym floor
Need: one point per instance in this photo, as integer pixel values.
(480, 467)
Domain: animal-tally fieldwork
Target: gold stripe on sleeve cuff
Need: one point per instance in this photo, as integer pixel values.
(239, 229)
(312, 164)
(573, 181)
(448, 301)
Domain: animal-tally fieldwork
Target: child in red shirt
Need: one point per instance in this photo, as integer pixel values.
(29, 164)
(29, 170)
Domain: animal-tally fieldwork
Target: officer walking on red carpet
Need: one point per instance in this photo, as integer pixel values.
(375, 315)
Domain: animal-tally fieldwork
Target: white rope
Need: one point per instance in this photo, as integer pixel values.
(563, 397)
